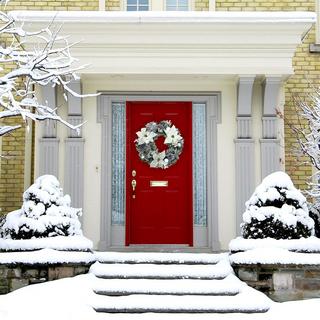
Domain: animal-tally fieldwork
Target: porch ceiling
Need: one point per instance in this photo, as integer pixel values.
(178, 43)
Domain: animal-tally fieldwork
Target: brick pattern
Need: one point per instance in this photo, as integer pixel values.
(302, 83)
(306, 66)
(265, 5)
(12, 163)
(113, 5)
(202, 5)
(68, 5)
(282, 282)
(13, 277)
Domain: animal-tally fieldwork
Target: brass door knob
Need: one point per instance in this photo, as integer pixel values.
(133, 184)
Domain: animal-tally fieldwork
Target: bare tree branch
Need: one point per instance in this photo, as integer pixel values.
(50, 63)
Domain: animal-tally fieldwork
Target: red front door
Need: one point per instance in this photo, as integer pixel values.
(159, 207)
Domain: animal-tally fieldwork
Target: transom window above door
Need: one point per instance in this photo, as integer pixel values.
(137, 5)
(177, 5)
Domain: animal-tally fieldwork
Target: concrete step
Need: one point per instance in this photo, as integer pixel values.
(156, 271)
(248, 301)
(159, 257)
(229, 286)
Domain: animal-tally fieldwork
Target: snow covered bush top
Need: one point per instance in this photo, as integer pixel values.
(277, 210)
(45, 212)
(275, 190)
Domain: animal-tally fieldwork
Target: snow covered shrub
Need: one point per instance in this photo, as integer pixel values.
(45, 212)
(277, 210)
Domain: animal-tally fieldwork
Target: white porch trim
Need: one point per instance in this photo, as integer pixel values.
(180, 42)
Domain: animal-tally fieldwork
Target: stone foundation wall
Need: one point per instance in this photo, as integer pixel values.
(282, 282)
(13, 277)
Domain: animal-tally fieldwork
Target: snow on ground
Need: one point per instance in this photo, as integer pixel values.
(46, 256)
(71, 299)
(311, 244)
(275, 256)
(58, 243)
(64, 299)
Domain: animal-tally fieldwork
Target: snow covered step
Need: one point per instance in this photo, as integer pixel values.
(159, 257)
(231, 285)
(156, 271)
(248, 301)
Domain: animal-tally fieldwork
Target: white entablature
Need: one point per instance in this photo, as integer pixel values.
(180, 42)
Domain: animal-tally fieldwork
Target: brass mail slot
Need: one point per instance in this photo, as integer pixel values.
(158, 183)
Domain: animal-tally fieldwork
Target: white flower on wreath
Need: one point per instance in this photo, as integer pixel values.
(172, 136)
(159, 160)
(145, 136)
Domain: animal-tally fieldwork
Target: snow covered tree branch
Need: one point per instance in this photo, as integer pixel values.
(308, 137)
(21, 69)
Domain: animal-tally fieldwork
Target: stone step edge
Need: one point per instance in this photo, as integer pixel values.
(168, 310)
(159, 262)
(158, 277)
(127, 293)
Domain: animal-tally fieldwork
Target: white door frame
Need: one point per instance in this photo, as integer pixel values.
(113, 236)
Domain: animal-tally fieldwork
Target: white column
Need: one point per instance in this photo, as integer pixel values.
(244, 147)
(270, 144)
(74, 151)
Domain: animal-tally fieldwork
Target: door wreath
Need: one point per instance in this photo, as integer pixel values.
(148, 150)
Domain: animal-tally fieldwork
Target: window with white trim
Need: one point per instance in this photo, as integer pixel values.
(177, 5)
(137, 5)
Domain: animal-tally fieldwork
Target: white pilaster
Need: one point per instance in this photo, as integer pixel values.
(74, 150)
(270, 144)
(49, 143)
(244, 147)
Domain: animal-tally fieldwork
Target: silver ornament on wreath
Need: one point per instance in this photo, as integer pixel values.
(148, 150)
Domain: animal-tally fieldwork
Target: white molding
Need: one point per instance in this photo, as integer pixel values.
(102, 5)
(180, 42)
(212, 5)
(108, 236)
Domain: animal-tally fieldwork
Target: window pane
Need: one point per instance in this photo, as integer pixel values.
(177, 5)
(118, 162)
(144, 2)
(132, 2)
(131, 8)
(199, 143)
(171, 3)
(143, 8)
(183, 3)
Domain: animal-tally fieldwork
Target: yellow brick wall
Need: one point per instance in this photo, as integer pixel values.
(202, 5)
(307, 74)
(265, 5)
(113, 5)
(12, 165)
(70, 5)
